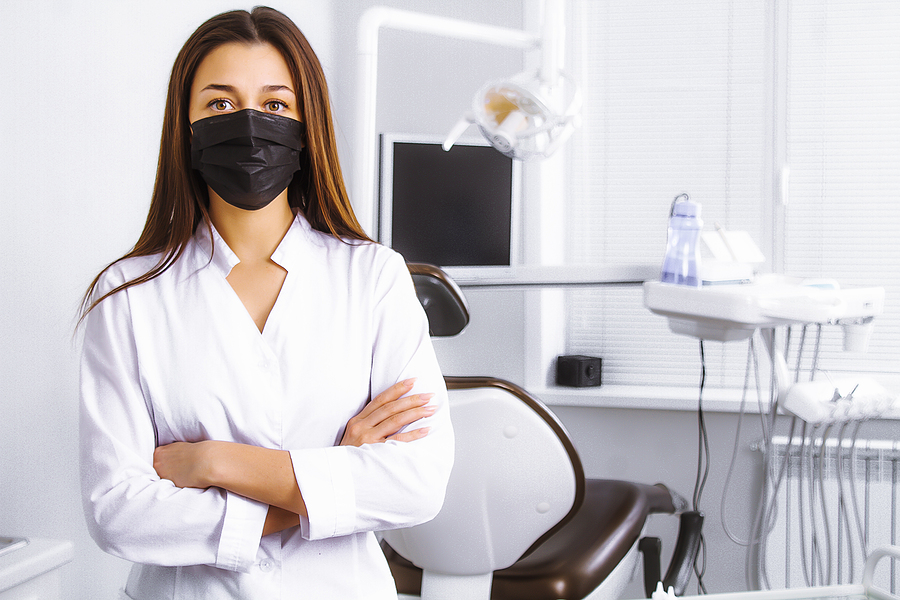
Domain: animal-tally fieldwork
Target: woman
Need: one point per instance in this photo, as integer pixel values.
(245, 335)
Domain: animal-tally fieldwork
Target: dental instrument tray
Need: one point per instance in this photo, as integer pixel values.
(732, 312)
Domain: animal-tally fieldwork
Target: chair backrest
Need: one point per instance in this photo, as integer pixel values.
(443, 301)
(515, 480)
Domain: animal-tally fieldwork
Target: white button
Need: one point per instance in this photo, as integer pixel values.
(266, 565)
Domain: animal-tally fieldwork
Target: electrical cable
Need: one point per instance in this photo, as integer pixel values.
(760, 528)
(815, 364)
(786, 461)
(771, 509)
(787, 340)
(800, 354)
(755, 539)
(759, 401)
(813, 529)
(803, 561)
(863, 537)
(826, 521)
(778, 473)
(790, 437)
(788, 545)
(810, 567)
(773, 406)
(703, 457)
(703, 441)
(755, 528)
(767, 508)
(763, 515)
(815, 549)
(844, 510)
(734, 452)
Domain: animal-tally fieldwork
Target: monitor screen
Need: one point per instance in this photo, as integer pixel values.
(451, 209)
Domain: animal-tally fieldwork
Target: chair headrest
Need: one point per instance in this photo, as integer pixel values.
(443, 301)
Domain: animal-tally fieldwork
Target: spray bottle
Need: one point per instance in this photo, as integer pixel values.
(682, 262)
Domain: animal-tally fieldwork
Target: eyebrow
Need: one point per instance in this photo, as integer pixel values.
(231, 89)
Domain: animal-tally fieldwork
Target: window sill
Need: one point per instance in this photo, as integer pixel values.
(649, 398)
(715, 400)
(553, 276)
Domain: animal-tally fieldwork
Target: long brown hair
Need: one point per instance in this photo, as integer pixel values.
(180, 198)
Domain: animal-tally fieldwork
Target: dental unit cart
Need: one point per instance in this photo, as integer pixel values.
(821, 407)
(735, 311)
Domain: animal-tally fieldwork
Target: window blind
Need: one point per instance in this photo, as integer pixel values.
(842, 144)
(684, 97)
(677, 99)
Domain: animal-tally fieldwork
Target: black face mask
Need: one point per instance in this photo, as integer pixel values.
(247, 157)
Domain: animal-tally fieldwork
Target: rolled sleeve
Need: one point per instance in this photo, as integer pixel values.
(241, 531)
(326, 478)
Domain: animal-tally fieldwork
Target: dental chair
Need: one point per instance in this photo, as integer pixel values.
(520, 521)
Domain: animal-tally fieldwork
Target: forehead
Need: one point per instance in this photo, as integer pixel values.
(242, 66)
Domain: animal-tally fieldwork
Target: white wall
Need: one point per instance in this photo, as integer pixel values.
(83, 91)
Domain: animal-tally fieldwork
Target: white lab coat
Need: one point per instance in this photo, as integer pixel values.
(180, 359)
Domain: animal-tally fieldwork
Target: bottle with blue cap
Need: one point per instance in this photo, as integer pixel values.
(682, 262)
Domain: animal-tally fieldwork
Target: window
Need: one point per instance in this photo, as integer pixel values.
(713, 98)
(842, 144)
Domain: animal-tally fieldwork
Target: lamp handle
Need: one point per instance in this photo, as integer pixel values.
(458, 129)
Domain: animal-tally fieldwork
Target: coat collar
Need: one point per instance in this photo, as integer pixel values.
(211, 249)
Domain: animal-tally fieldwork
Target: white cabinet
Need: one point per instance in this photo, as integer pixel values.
(32, 572)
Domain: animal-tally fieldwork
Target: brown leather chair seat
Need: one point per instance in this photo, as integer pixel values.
(578, 557)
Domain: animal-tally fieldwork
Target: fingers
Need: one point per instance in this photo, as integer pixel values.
(402, 411)
(393, 393)
(411, 436)
(389, 395)
(387, 414)
(384, 423)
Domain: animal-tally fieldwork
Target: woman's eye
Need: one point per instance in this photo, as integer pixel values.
(275, 105)
(221, 104)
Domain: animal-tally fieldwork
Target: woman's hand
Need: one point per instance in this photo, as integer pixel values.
(185, 464)
(387, 414)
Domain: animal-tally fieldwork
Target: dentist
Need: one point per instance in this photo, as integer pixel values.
(259, 393)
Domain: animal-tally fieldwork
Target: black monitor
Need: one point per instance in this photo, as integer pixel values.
(455, 209)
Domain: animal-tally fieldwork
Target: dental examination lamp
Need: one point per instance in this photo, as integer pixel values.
(515, 118)
(527, 116)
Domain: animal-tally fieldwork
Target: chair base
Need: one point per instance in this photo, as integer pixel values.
(437, 586)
